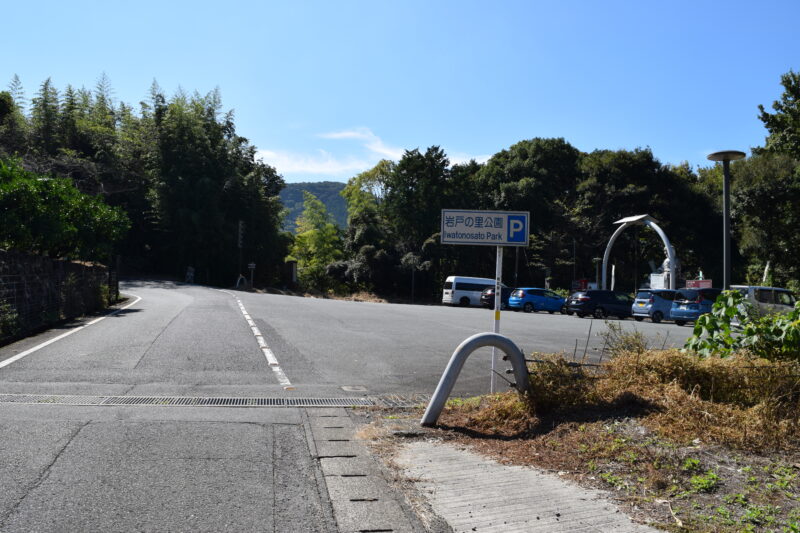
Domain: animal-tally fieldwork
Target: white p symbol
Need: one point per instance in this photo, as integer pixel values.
(515, 227)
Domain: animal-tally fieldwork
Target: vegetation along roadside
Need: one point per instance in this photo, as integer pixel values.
(687, 440)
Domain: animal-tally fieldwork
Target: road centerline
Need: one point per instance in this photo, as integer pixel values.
(272, 361)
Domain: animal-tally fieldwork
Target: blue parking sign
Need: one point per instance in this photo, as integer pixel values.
(517, 229)
(487, 228)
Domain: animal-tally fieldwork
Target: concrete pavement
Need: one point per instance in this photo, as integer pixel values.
(67, 467)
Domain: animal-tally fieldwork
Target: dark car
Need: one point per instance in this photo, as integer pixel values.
(600, 304)
(487, 297)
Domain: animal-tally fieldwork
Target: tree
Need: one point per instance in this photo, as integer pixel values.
(45, 118)
(784, 125)
(48, 215)
(540, 176)
(765, 198)
(317, 244)
(415, 192)
(13, 126)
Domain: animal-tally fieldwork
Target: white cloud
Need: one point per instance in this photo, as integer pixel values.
(321, 163)
(373, 143)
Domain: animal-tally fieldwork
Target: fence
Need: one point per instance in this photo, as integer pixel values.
(38, 291)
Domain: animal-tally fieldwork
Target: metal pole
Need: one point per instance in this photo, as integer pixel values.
(726, 156)
(726, 225)
(516, 264)
(498, 284)
(574, 260)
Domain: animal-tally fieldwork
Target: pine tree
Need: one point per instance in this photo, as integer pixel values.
(45, 119)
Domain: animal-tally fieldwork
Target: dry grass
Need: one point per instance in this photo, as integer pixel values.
(741, 402)
(697, 444)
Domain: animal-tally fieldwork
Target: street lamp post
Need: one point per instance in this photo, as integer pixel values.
(726, 157)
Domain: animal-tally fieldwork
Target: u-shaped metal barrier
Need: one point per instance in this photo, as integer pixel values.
(464, 350)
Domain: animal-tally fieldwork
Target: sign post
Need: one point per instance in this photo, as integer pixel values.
(487, 228)
(252, 267)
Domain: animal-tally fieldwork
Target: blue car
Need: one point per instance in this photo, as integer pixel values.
(689, 304)
(654, 304)
(534, 299)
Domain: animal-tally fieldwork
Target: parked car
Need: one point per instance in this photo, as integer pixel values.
(535, 299)
(600, 304)
(689, 304)
(487, 297)
(654, 304)
(766, 300)
(464, 291)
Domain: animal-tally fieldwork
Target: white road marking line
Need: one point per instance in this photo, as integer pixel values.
(67, 334)
(272, 361)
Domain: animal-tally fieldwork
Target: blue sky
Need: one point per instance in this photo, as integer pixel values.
(325, 89)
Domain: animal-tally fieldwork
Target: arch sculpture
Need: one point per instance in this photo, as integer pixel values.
(645, 220)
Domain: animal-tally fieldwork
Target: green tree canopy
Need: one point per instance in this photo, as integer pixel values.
(48, 215)
(784, 124)
(317, 244)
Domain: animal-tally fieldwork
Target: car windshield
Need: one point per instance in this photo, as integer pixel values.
(643, 295)
(519, 293)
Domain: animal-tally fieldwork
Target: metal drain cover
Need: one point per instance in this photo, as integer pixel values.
(185, 401)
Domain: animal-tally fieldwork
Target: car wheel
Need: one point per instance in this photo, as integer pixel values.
(528, 307)
(599, 313)
(570, 313)
(581, 315)
(551, 312)
(657, 316)
(563, 310)
(464, 301)
(638, 318)
(680, 322)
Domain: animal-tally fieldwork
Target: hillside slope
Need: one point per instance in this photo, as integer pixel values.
(326, 191)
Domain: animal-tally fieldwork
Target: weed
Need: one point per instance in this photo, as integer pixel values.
(611, 479)
(736, 498)
(707, 482)
(690, 464)
(760, 514)
(619, 342)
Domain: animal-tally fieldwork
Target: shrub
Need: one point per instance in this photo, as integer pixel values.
(733, 326)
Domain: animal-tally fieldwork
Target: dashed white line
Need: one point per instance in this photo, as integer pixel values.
(262, 344)
(67, 334)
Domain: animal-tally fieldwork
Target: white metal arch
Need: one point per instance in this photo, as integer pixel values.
(645, 220)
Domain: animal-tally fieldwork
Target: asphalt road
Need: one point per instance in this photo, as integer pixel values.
(150, 468)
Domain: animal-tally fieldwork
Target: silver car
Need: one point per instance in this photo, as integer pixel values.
(654, 304)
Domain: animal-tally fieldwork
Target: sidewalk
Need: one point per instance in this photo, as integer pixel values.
(473, 493)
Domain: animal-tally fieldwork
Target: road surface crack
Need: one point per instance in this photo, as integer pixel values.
(42, 476)
(165, 328)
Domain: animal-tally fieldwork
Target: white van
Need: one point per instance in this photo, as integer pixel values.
(767, 299)
(461, 290)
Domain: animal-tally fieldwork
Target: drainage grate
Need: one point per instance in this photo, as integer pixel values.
(185, 401)
(403, 402)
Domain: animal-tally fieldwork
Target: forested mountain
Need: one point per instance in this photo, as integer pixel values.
(328, 192)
